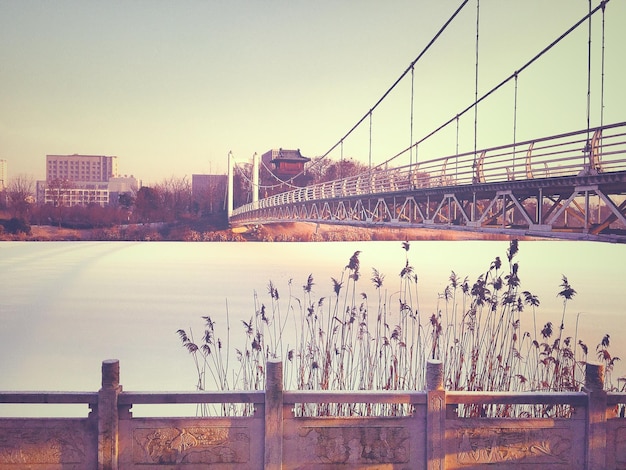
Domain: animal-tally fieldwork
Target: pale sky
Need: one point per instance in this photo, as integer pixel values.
(170, 87)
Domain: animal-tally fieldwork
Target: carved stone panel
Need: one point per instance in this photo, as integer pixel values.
(46, 445)
(533, 447)
(620, 447)
(187, 445)
(358, 445)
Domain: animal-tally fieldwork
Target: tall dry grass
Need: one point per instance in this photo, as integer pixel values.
(348, 341)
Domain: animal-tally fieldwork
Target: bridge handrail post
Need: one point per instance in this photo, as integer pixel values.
(596, 415)
(273, 415)
(435, 415)
(108, 417)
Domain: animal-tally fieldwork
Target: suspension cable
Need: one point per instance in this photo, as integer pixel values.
(476, 81)
(281, 182)
(503, 82)
(428, 46)
(389, 90)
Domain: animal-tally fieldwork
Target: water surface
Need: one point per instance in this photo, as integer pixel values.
(67, 306)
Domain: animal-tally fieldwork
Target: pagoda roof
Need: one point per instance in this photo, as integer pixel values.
(285, 155)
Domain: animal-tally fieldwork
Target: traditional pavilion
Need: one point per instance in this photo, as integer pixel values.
(287, 163)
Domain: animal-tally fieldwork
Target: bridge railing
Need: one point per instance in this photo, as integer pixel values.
(584, 152)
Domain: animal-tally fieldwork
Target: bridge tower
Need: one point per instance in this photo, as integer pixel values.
(255, 180)
(255, 183)
(229, 199)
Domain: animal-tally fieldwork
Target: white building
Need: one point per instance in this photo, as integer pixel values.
(63, 195)
(73, 180)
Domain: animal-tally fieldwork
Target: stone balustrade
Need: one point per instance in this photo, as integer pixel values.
(437, 429)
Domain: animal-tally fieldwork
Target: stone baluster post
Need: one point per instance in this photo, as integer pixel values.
(435, 415)
(596, 416)
(108, 415)
(273, 415)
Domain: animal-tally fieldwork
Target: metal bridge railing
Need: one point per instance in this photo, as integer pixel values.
(584, 152)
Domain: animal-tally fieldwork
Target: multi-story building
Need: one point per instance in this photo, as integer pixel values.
(62, 194)
(80, 168)
(83, 179)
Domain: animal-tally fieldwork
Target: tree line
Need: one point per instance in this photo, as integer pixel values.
(170, 201)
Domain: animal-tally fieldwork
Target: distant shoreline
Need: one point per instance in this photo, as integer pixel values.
(282, 232)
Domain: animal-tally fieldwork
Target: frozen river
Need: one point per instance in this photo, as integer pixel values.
(67, 306)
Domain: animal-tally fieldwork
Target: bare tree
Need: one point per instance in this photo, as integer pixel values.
(58, 191)
(175, 196)
(147, 205)
(328, 170)
(20, 195)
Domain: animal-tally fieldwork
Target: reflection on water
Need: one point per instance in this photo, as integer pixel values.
(68, 306)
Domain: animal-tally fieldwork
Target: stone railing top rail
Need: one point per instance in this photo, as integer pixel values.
(355, 396)
(516, 398)
(307, 396)
(49, 397)
(155, 398)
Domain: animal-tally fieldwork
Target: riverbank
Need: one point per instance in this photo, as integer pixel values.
(304, 231)
(283, 232)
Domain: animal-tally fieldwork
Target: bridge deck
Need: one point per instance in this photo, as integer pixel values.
(568, 186)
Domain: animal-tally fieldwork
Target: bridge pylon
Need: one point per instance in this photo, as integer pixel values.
(229, 198)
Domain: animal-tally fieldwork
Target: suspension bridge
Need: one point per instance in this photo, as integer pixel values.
(570, 185)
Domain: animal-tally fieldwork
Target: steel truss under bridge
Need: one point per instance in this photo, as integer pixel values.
(570, 186)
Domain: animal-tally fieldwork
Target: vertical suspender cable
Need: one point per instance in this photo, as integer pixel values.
(603, 4)
(411, 136)
(514, 125)
(588, 156)
(370, 145)
(370, 152)
(341, 161)
(512, 76)
(602, 85)
(589, 76)
(456, 167)
(476, 82)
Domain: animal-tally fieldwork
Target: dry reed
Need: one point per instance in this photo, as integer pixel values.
(339, 342)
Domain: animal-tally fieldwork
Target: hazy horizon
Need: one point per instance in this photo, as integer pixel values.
(170, 88)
